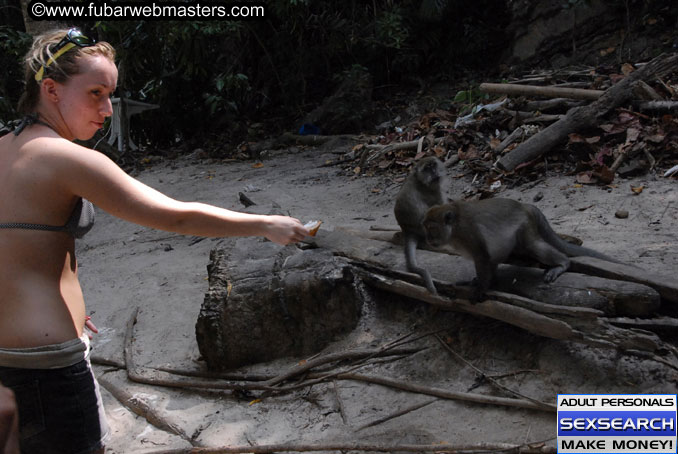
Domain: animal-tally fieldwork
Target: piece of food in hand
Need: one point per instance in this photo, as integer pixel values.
(312, 227)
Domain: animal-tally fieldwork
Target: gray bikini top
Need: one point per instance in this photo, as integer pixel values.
(79, 223)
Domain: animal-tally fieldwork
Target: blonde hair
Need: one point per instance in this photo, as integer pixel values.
(61, 69)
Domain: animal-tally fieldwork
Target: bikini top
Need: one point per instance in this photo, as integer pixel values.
(82, 218)
(80, 222)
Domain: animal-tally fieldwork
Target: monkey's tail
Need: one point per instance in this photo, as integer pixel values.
(569, 249)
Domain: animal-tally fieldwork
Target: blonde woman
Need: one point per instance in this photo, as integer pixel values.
(47, 187)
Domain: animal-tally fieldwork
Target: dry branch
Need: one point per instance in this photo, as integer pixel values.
(533, 90)
(463, 294)
(138, 406)
(141, 408)
(595, 332)
(135, 376)
(396, 414)
(586, 116)
(447, 394)
(334, 357)
(379, 150)
(485, 375)
(480, 448)
(530, 321)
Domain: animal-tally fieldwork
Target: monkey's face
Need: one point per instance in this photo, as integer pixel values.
(437, 225)
(429, 171)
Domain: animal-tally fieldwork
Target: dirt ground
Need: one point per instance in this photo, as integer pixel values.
(125, 266)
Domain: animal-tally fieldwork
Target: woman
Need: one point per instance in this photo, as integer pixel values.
(45, 184)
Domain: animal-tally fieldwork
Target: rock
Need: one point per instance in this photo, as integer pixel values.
(265, 303)
(543, 30)
(621, 214)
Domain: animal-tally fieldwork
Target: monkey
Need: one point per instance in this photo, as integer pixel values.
(421, 191)
(489, 231)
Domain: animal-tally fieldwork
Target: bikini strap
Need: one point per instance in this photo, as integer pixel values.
(27, 120)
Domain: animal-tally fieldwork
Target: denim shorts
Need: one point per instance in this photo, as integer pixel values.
(60, 410)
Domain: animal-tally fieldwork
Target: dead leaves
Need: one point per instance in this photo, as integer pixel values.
(625, 142)
(628, 144)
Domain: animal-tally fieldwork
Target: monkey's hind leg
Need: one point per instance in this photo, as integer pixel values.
(411, 243)
(549, 256)
(485, 272)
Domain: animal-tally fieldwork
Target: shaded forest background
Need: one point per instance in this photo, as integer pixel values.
(225, 82)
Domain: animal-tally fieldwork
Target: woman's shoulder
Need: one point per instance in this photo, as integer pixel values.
(54, 158)
(51, 148)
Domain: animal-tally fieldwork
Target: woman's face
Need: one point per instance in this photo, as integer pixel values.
(84, 100)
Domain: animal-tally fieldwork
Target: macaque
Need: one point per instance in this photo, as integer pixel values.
(489, 231)
(421, 191)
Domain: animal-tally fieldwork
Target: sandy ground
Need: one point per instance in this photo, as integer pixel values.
(125, 266)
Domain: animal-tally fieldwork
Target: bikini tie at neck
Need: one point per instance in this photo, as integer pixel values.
(29, 119)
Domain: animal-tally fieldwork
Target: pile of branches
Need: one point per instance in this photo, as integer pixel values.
(595, 123)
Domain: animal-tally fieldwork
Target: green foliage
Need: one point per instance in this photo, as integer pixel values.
(13, 45)
(214, 77)
(232, 92)
(468, 99)
(391, 29)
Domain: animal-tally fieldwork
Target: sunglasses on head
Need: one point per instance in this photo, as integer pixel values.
(73, 38)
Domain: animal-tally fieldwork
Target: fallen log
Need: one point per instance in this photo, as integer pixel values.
(538, 90)
(587, 116)
(666, 285)
(554, 105)
(452, 268)
(632, 301)
(532, 117)
(463, 294)
(652, 324)
(263, 304)
(656, 106)
(605, 293)
(517, 134)
(379, 259)
(597, 332)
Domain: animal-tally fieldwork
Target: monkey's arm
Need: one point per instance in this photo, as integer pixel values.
(411, 243)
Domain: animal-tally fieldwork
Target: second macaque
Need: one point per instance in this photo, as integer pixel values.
(490, 231)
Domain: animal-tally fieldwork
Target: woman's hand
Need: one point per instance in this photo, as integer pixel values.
(90, 326)
(285, 230)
